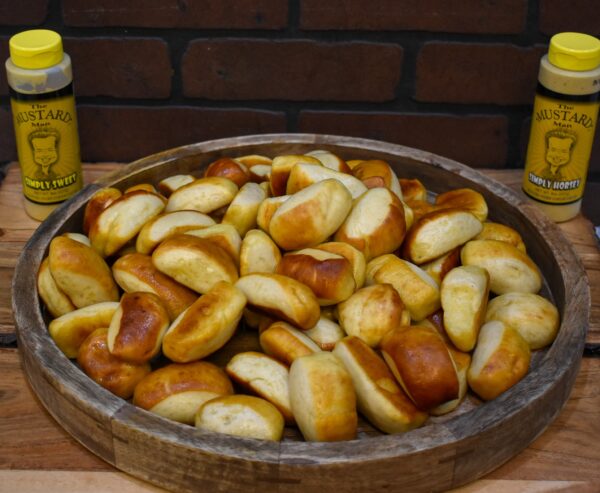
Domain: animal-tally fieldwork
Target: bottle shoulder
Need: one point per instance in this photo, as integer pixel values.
(40, 81)
(568, 82)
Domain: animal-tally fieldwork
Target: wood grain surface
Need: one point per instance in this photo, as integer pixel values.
(36, 452)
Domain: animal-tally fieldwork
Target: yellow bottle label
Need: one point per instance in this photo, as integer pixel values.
(560, 144)
(48, 148)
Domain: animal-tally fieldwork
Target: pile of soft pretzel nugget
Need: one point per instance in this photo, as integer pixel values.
(366, 297)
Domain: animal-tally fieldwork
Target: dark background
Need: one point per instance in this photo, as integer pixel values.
(453, 77)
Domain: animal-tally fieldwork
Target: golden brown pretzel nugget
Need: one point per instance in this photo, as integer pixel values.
(177, 391)
(137, 328)
(380, 398)
(206, 326)
(107, 370)
(194, 262)
(281, 297)
(323, 398)
(136, 272)
(80, 272)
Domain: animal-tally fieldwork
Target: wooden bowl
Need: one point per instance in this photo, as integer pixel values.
(445, 453)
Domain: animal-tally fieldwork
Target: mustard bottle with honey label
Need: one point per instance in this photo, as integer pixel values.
(564, 120)
(43, 109)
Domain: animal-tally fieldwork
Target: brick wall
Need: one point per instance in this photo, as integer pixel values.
(455, 78)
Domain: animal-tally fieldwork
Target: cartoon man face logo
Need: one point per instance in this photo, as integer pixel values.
(559, 146)
(44, 146)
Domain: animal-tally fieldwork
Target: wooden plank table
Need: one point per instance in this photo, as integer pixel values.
(37, 455)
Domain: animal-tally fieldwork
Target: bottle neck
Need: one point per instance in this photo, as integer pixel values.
(59, 93)
(41, 81)
(568, 82)
(542, 90)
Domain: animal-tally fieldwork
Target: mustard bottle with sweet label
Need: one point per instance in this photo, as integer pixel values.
(563, 124)
(45, 121)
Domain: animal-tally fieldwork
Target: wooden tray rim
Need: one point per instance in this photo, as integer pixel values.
(34, 340)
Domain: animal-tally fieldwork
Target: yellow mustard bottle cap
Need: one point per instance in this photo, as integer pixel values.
(574, 51)
(36, 49)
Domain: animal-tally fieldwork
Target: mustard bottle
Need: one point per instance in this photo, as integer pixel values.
(43, 110)
(565, 116)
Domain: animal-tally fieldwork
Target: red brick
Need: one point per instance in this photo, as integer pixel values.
(524, 140)
(297, 70)
(468, 16)
(125, 133)
(4, 54)
(203, 14)
(576, 15)
(23, 12)
(8, 150)
(477, 140)
(477, 73)
(120, 67)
